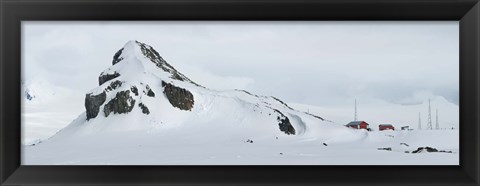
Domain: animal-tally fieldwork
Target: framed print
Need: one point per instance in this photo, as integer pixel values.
(239, 92)
(232, 99)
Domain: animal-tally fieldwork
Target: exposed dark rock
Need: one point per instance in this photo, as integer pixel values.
(150, 92)
(155, 57)
(28, 96)
(178, 97)
(122, 103)
(446, 151)
(134, 90)
(429, 149)
(315, 116)
(116, 57)
(92, 104)
(250, 94)
(107, 77)
(283, 103)
(177, 76)
(244, 91)
(113, 85)
(387, 149)
(284, 123)
(144, 108)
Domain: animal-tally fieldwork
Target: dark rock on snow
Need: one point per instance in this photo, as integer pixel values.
(113, 85)
(122, 103)
(116, 57)
(386, 148)
(144, 108)
(284, 123)
(429, 149)
(405, 144)
(107, 77)
(28, 96)
(178, 97)
(315, 116)
(134, 90)
(92, 104)
(283, 103)
(153, 55)
(150, 92)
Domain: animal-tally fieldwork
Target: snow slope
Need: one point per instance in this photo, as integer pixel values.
(46, 109)
(220, 127)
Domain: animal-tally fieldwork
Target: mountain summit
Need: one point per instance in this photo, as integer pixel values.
(135, 68)
(140, 79)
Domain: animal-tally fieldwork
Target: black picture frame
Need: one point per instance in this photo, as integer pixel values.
(12, 12)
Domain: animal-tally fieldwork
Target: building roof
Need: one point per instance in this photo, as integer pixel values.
(386, 125)
(355, 123)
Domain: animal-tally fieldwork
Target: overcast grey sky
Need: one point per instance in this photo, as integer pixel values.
(317, 63)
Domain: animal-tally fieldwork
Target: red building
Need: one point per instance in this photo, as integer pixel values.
(385, 127)
(358, 125)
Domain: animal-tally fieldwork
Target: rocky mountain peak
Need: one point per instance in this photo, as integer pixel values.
(141, 81)
(133, 48)
(138, 73)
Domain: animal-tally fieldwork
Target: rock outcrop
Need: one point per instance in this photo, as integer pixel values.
(107, 77)
(116, 57)
(153, 55)
(134, 90)
(122, 103)
(284, 123)
(150, 92)
(93, 103)
(178, 97)
(113, 85)
(144, 108)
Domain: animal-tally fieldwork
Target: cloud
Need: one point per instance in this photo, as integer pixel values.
(217, 82)
(320, 63)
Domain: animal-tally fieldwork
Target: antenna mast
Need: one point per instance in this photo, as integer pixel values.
(436, 121)
(419, 121)
(429, 125)
(355, 117)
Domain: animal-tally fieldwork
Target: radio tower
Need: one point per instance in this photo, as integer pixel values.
(436, 121)
(429, 124)
(419, 121)
(355, 117)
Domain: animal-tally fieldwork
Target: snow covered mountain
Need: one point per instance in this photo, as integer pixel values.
(141, 87)
(37, 90)
(144, 111)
